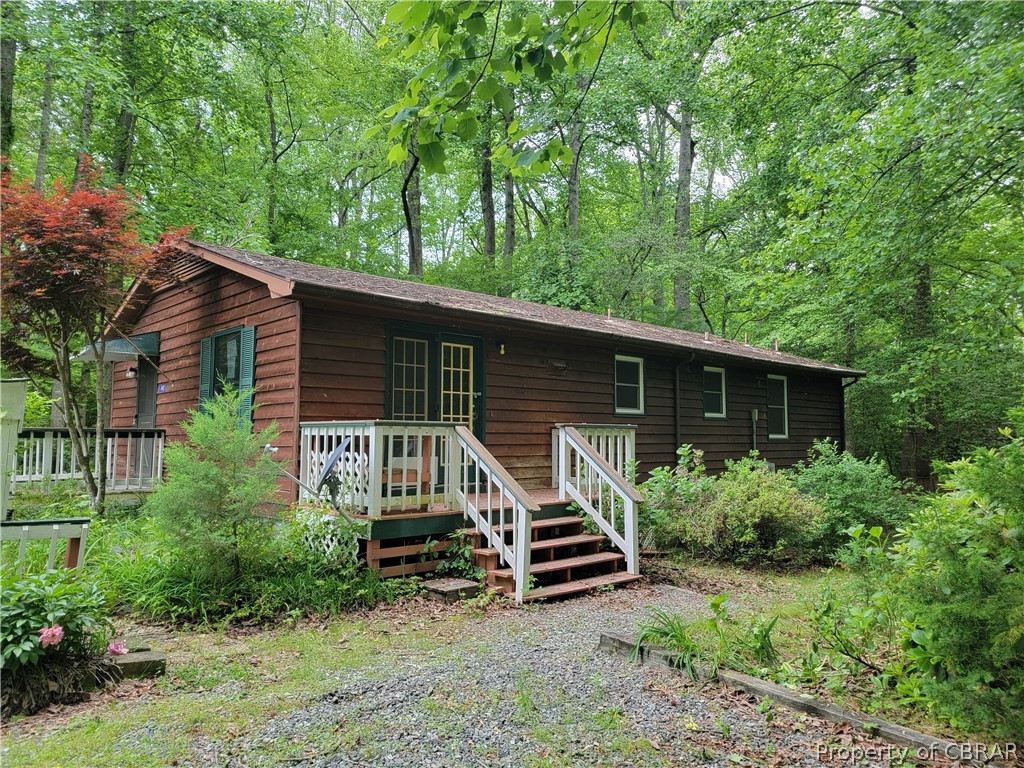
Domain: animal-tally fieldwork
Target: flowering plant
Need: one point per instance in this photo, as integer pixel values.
(53, 615)
(117, 649)
(51, 635)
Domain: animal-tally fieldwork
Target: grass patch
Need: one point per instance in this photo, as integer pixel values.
(223, 688)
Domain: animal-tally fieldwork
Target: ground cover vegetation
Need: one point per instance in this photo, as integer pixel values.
(922, 616)
(213, 545)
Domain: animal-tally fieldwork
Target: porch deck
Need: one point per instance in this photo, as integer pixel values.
(415, 481)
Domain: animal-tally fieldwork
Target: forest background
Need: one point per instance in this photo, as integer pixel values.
(843, 177)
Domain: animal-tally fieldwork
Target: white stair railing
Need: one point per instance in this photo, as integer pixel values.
(600, 490)
(496, 504)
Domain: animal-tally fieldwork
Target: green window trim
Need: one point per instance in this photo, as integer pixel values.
(629, 385)
(777, 399)
(713, 392)
(246, 364)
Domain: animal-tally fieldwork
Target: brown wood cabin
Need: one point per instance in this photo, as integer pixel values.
(338, 355)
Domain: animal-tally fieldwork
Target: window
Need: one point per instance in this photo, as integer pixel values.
(714, 392)
(228, 357)
(778, 407)
(629, 384)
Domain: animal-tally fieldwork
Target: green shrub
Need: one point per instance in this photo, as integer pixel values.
(749, 514)
(53, 628)
(851, 492)
(667, 493)
(212, 506)
(960, 565)
(937, 619)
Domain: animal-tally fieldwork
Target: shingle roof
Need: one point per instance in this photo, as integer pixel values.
(306, 279)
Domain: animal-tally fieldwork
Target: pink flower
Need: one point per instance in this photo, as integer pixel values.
(117, 649)
(51, 635)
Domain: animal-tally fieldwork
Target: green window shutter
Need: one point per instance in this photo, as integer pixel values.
(247, 368)
(205, 370)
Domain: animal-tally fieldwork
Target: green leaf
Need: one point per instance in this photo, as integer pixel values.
(503, 101)
(468, 127)
(476, 24)
(432, 156)
(372, 131)
(398, 154)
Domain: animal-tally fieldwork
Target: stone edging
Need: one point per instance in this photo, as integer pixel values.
(622, 645)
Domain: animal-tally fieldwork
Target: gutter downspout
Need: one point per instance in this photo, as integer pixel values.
(842, 413)
(676, 399)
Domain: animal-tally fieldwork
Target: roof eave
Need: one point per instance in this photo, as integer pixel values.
(315, 290)
(279, 287)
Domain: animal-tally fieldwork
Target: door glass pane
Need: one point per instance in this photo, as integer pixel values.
(457, 383)
(409, 379)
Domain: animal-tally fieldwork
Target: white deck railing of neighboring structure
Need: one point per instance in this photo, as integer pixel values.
(74, 529)
(44, 456)
(393, 466)
(587, 475)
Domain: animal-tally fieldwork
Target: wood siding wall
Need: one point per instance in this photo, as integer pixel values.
(539, 382)
(184, 315)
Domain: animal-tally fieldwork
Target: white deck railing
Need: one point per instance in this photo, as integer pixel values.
(44, 456)
(616, 443)
(501, 511)
(411, 459)
(587, 477)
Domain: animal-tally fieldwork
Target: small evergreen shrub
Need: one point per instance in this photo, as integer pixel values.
(53, 633)
(851, 492)
(936, 618)
(749, 514)
(212, 508)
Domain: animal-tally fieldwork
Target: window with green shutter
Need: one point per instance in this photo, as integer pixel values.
(228, 358)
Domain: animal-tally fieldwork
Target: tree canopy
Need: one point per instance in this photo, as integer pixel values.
(844, 177)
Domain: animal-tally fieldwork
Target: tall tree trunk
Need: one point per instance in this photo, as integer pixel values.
(411, 201)
(272, 182)
(124, 130)
(510, 226)
(681, 279)
(509, 247)
(8, 59)
(920, 329)
(96, 10)
(487, 196)
(573, 192)
(45, 105)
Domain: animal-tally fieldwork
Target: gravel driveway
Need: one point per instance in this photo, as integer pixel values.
(529, 688)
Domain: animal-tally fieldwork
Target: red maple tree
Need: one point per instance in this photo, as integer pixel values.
(66, 258)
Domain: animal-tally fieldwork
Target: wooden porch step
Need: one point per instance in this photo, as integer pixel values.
(550, 522)
(564, 541)
(580, 586)
(563, 564)
(567, 541)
